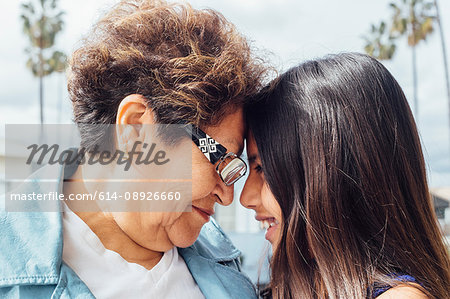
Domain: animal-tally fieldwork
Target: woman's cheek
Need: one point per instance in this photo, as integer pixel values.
(270, 203)
(203, 181)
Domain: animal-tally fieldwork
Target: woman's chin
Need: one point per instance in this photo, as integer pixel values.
(184, 237)
(186, 242)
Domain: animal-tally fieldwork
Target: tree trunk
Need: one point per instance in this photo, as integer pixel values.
(444, 58)
(416, 102)
(60, 95)
(41, 98)
(41, 82)
(41, 68)
(413, 27)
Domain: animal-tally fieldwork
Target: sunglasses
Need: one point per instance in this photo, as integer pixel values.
(229, 166)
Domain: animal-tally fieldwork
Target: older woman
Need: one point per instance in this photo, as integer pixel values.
(145, 62)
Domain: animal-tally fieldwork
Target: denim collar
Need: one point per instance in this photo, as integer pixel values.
(213, 244)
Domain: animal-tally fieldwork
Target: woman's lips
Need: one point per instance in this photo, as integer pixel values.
(270, 224)
(205, 213)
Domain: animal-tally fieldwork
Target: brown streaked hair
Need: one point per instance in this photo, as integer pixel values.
(342, 156)
(191, 65)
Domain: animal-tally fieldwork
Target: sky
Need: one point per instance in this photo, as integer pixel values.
(284, 32)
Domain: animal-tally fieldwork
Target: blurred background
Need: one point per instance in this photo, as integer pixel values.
(411, 36)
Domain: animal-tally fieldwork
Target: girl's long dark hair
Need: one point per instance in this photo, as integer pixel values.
(342, 156)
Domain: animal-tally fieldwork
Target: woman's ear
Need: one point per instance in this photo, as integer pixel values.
(132, 114)
(134, 109)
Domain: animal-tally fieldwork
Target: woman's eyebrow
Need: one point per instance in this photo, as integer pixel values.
(239, 145)
(241, 149)
(252, 158)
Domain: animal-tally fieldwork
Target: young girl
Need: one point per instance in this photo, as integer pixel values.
(338, 178)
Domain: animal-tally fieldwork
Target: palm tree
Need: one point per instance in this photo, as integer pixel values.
(444, 55)
(41, 24)
(413, 19)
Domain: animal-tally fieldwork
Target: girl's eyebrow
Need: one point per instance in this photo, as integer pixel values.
(252, 158)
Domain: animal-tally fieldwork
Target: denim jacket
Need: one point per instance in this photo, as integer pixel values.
(31, 264)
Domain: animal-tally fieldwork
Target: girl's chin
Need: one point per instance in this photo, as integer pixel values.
(271, 233)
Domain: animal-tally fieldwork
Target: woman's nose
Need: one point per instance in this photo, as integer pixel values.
(226, 194)
(250, 196)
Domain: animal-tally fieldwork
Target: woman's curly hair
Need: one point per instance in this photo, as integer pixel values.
(189, 64)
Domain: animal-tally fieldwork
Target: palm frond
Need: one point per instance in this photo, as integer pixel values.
(380, 43)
